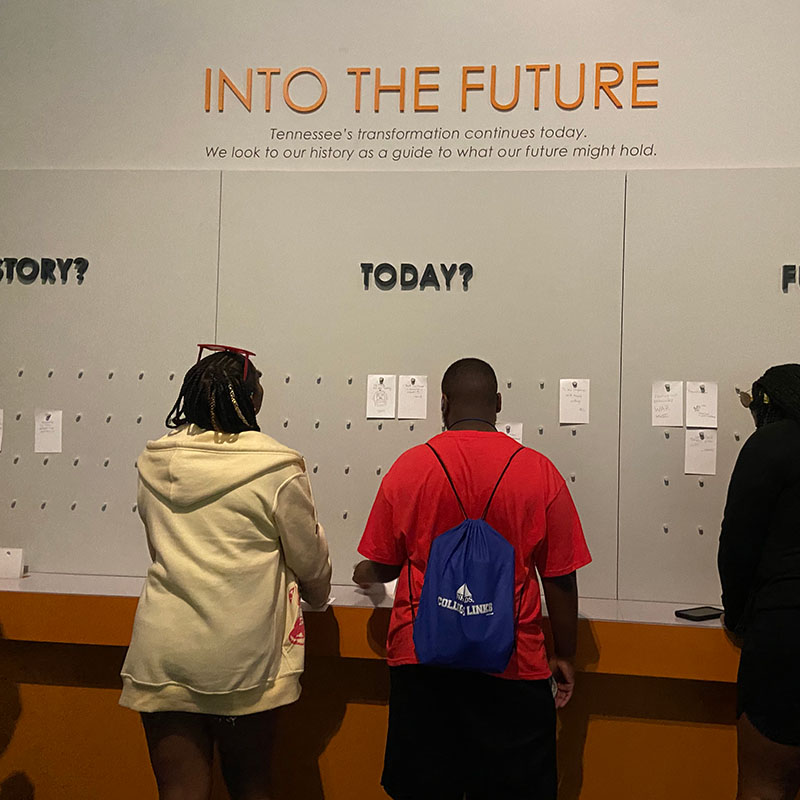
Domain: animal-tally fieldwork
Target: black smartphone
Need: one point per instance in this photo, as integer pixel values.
(699, 613)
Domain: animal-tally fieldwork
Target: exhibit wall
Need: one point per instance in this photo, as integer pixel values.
(605, 196)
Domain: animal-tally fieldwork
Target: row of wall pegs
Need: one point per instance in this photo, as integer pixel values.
(701, 482)
(109, 375)
(699, 530)
(73, 506)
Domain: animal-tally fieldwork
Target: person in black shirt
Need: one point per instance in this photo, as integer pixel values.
(759, 569)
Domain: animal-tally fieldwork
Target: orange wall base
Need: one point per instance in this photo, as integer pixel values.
(632, 736)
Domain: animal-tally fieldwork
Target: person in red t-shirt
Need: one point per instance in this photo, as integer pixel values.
(455, 732)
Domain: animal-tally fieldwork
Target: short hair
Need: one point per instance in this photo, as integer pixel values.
(470, 380)
(215, 395)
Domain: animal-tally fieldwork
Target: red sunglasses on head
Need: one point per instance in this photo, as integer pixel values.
(227, 349)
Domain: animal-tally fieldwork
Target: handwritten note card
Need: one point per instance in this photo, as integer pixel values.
(701, 452)
(667, 405)
(381, 394)
(512, 429)
(47, 427)
(412, 397)
(573, 406)
(701, 404)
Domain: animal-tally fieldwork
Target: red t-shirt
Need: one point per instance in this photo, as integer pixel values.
(532, 508)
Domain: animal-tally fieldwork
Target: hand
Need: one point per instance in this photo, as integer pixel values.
(363, 574)
(564, 674)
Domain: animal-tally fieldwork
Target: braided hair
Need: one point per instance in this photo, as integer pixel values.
(215, 396)
(776, 395)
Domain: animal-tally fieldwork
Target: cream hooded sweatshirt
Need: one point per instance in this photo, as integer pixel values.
(232, 530)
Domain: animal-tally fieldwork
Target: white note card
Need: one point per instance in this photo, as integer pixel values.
(512, 429)
(1, 430)
(701, 452)
(412, 397)
(667, 405)
(573, 406)
(47, 436)
(701, 404)
(381, 396)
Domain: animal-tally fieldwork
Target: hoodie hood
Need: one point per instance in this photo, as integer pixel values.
(191, 466)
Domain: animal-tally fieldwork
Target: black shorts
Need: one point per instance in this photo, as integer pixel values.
(769, 684)
(453, 732)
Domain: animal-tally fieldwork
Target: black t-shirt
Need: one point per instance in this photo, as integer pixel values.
(759, 546)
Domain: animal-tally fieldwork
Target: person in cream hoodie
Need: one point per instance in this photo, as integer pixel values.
(218, 638)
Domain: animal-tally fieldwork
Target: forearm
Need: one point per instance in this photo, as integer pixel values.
(367, 572)
(561, 595)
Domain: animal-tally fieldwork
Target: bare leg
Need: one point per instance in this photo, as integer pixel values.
(767, 770)
(181, 752)
(245, 746)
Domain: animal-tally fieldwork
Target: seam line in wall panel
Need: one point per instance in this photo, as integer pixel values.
(219, 250)
(621, 339)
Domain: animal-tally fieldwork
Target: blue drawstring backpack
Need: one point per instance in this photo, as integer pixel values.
(465, 617)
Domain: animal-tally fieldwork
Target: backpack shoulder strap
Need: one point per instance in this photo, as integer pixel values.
(508, 464)
(452, 485)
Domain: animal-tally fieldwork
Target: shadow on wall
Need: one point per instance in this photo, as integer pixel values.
(16, 786)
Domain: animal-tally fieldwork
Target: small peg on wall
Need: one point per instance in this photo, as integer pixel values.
(347, 469)
(380, 380)
(666, 434)
(139, 420)
(316, 424)
(104, 506)
(13, 504)
(110, 375)
(572, 477)
(73, 506)
(172, 376)
(50, 373)
(666, 480)
(541, 383)
(666, 386)
(350, 380)
(315, 469)
(287, 379)
(541, 429)
(141, 376)
(16, 459)
(76, 462)
(19, 416)
(348, 424)
(108, 419)
(702, 436)
(20, 373)
(508, 384)
(665, 528)
(574, 431)
(702, 387)
(700, 529)
(574, 384)
(43, 505)
(319, 379)
(380, 426)
(378, 471)
(411, 426)
(701, 483)
(736, 436)
(286, 422)
(344, 515)
(45, 462)
(78, 417)
(106, 462)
